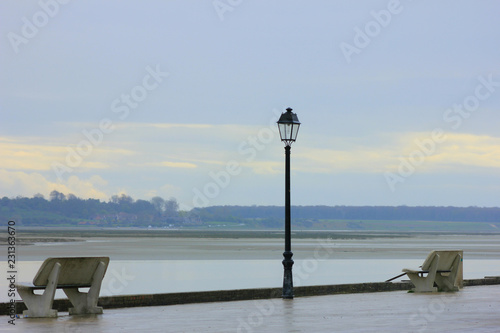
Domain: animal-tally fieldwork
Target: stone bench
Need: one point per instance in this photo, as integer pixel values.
(68, 274)
(442, 270)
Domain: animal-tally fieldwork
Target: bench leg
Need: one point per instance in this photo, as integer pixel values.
(86, 303)
(425, 284)
(447, 283)
(41, 305)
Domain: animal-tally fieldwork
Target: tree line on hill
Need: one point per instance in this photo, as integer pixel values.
(315, 216)
(123, 211)
(422, 213)
(69, 210)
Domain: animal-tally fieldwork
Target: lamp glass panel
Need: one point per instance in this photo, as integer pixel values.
(281, 127)
(288, 131)
(295, 131)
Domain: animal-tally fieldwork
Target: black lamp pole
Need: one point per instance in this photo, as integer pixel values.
(288, 125)
(287, 261)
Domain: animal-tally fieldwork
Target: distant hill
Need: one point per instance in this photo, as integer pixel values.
(123, 211)
(358, 218)
(68, 210)
(423, 213)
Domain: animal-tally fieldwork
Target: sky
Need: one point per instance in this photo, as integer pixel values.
(399, 101)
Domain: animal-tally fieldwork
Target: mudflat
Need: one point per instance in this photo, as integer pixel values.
(144, 244)
(163, 261)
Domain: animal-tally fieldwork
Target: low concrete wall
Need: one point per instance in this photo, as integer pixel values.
(125, 301)
(488, 280)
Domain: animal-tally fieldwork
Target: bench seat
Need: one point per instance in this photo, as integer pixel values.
(441, 270)
(416, 271)
(59, 286)
(68, 274)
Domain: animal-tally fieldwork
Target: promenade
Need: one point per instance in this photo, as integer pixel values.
(319, 305)
(473, 309)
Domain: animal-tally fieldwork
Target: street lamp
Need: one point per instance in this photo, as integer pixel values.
(288, 125)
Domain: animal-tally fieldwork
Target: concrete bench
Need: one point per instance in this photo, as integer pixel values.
(442, 270)
(67, 274)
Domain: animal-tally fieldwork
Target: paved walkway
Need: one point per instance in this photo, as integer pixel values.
(473, 309)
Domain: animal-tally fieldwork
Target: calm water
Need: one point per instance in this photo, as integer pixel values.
(145, 265)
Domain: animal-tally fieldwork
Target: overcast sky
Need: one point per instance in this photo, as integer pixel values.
(399, 100)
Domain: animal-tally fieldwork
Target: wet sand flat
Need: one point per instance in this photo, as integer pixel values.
(268, 245)
(143, 263)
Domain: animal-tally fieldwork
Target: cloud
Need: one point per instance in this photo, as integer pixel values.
(165, 191)
(38, 154)
(462, 150)
(169, 126)
(168, 164)
(183, 165)
(27, 154)
(362, 158)
(265, 167)
(182, 146)
(95, 165)
(457, 152)
(14, 183)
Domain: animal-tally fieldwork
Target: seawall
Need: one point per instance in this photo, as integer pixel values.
(125, 301)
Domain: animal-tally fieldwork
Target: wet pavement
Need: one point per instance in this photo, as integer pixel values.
(473, 309)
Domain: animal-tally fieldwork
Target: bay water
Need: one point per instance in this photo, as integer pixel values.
(149, 265)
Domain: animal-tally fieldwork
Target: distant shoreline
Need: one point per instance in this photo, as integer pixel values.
(29, 235)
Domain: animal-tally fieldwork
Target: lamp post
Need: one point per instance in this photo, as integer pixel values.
(288, 125)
